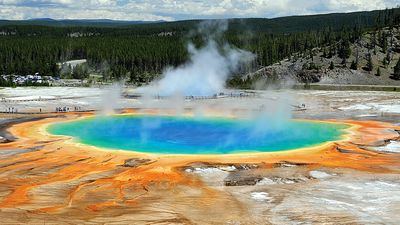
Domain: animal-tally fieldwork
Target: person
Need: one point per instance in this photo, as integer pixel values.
(40, 109)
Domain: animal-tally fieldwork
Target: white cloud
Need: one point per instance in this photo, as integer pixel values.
(178, 9)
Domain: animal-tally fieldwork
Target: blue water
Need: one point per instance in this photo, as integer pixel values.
(187, 135)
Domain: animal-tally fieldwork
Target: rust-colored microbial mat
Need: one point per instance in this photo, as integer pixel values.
(52, 179)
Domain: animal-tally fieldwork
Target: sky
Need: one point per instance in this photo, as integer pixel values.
(170, 10)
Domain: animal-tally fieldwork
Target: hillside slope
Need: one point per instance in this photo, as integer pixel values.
(370, 61)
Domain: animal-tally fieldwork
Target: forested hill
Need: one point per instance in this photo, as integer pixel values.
(139, 52)
(335, 21)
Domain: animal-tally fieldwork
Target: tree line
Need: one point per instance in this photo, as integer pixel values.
(139, 53)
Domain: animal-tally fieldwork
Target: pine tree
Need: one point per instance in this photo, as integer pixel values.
(378, 72)
(383, 42)
(344, 51)
(332, 50)
(324, 53)
(396, 73)
(369, 67)
(373, 40)
(353, 65)
(331, 66)
(388, 58)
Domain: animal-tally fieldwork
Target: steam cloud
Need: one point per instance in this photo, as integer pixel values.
(207, 70)
(110, 98)
(205, 74)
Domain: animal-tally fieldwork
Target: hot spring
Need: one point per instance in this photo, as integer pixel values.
(191, 135)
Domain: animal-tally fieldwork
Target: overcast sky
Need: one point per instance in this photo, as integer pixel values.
(178, 9)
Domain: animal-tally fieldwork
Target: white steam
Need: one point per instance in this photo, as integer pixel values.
(206, 72)
(111, 97)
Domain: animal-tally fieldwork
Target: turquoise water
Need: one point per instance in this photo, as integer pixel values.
(188, 135)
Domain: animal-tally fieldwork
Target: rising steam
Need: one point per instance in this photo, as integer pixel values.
(205, 74)
(111, 96)
(207, 70)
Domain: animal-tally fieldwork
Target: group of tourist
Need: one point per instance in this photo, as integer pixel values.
(11, 110)
(68, 109)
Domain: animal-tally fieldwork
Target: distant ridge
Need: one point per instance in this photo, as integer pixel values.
(75, 22)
